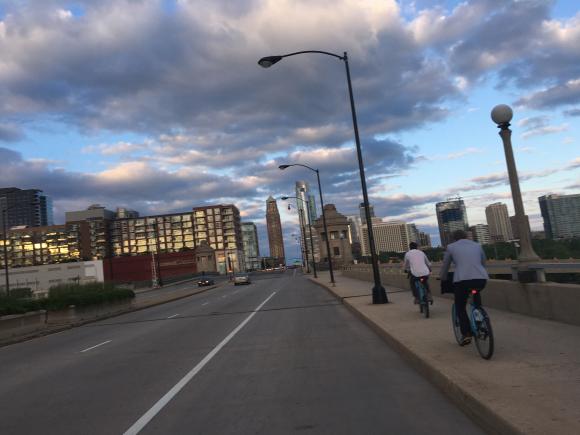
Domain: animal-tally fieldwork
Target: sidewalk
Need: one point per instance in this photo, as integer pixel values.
(530, 386)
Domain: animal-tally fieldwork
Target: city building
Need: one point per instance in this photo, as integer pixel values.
(392, 236)
(251, 247)
(92, 227)
(424, 240)
(361, 210)
(274, 227)
(355, 235)
(306, 206)
(480, 234)
(338, 229)
(498, 221)
(451, 216)
(123, 212)
(561, 214)
(29, 207)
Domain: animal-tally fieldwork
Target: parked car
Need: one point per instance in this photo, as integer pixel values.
(205, 281)
(242, 278)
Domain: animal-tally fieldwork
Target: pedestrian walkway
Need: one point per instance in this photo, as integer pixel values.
(530, 386)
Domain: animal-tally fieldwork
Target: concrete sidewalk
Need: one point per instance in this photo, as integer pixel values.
(530, 386)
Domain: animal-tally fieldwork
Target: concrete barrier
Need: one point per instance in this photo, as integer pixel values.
(72, 314)
(550, 301)
(16, 325)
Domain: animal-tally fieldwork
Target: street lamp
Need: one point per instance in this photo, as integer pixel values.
(502, 115)
(330, 268)
(379, 293)
(284, 198)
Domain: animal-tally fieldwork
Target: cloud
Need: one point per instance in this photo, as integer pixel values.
(545, 130)
(572, 112)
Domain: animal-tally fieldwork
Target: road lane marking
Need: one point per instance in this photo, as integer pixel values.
(161, 403)
(171, 317)
(205, 303)
(95, 346)
(224, 296)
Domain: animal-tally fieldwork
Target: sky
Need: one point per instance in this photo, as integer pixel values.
(160, 105)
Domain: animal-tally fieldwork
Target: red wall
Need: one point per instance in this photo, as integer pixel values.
(138, 268)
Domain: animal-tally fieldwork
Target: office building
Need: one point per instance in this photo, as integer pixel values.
(451, 216)
(392, 236)
(361, 210)
(251, 247)
(480, 234)
(498, 221)
(424, 240)
(306, 206)
(29, 207)
(561, 214)
(274, 227)
(123, 212)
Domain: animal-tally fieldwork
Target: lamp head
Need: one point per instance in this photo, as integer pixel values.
(282, 167)
(502, 114)
(268, 61)
(284, 198)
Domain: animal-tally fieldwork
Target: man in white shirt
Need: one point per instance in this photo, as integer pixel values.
(417, 264)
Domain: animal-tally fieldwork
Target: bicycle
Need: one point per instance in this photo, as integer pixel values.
(422, 296)
(480, 327)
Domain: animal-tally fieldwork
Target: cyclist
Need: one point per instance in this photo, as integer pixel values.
(417, 265)
(469, 274)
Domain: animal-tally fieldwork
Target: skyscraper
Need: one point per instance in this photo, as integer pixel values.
(480, 234)
(25, 207)
(561, 215)
(274, 226)
(307, 214)
(393, 236)
(451, 216)
(251, 247)
(498, 220)
(361, 209)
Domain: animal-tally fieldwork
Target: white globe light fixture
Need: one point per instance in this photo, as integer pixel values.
(502, 114)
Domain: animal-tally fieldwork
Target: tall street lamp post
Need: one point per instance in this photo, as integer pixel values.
(502, 115)
(327, 236)
(379, 293)
(284, 198)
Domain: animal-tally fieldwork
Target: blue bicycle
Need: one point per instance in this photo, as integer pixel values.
(422, 296)
(480, 327)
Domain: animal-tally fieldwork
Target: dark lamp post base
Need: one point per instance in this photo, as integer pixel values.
(379, 295)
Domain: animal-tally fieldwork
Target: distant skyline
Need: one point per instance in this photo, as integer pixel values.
(160, 106)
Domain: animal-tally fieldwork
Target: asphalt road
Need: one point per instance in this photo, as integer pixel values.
(278, 356)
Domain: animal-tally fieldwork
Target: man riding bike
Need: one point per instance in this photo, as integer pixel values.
(469, 274)
(418, 266)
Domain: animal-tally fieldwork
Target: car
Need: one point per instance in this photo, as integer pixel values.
(242, 278)
(205, 282)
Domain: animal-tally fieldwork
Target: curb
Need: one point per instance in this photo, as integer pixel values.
(64, 327)
(478, 411)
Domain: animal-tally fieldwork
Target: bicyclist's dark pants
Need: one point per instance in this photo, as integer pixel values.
(462, 289)
(412, 280)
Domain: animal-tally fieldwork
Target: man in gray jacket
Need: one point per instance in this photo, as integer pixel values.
(470, 273)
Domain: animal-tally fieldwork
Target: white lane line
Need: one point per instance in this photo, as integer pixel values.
(205, 303)
(224, 296)
(171, 317)
(96, 345)
(149, 415)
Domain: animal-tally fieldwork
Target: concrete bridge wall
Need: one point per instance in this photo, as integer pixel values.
(551, 301)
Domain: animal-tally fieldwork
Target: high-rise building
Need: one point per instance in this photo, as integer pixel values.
(251, 247)
(123, 212)
(393, 236)
(498, 220)
(307, 215)
(561, 214)
(480, 234)
(274, 226)
(451, 216)
(25, 208)
(424, 240)
(361, 210)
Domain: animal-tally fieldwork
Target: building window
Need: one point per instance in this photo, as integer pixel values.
(336, 251)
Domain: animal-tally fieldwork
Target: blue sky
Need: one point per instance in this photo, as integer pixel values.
(160, 106)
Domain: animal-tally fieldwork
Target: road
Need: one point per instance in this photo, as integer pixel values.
(278, 356)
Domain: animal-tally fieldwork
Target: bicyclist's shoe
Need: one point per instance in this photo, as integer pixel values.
(465, 341)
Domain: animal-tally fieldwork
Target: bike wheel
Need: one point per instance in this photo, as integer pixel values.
(425, 303)
(455, 325)
(483, 334)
